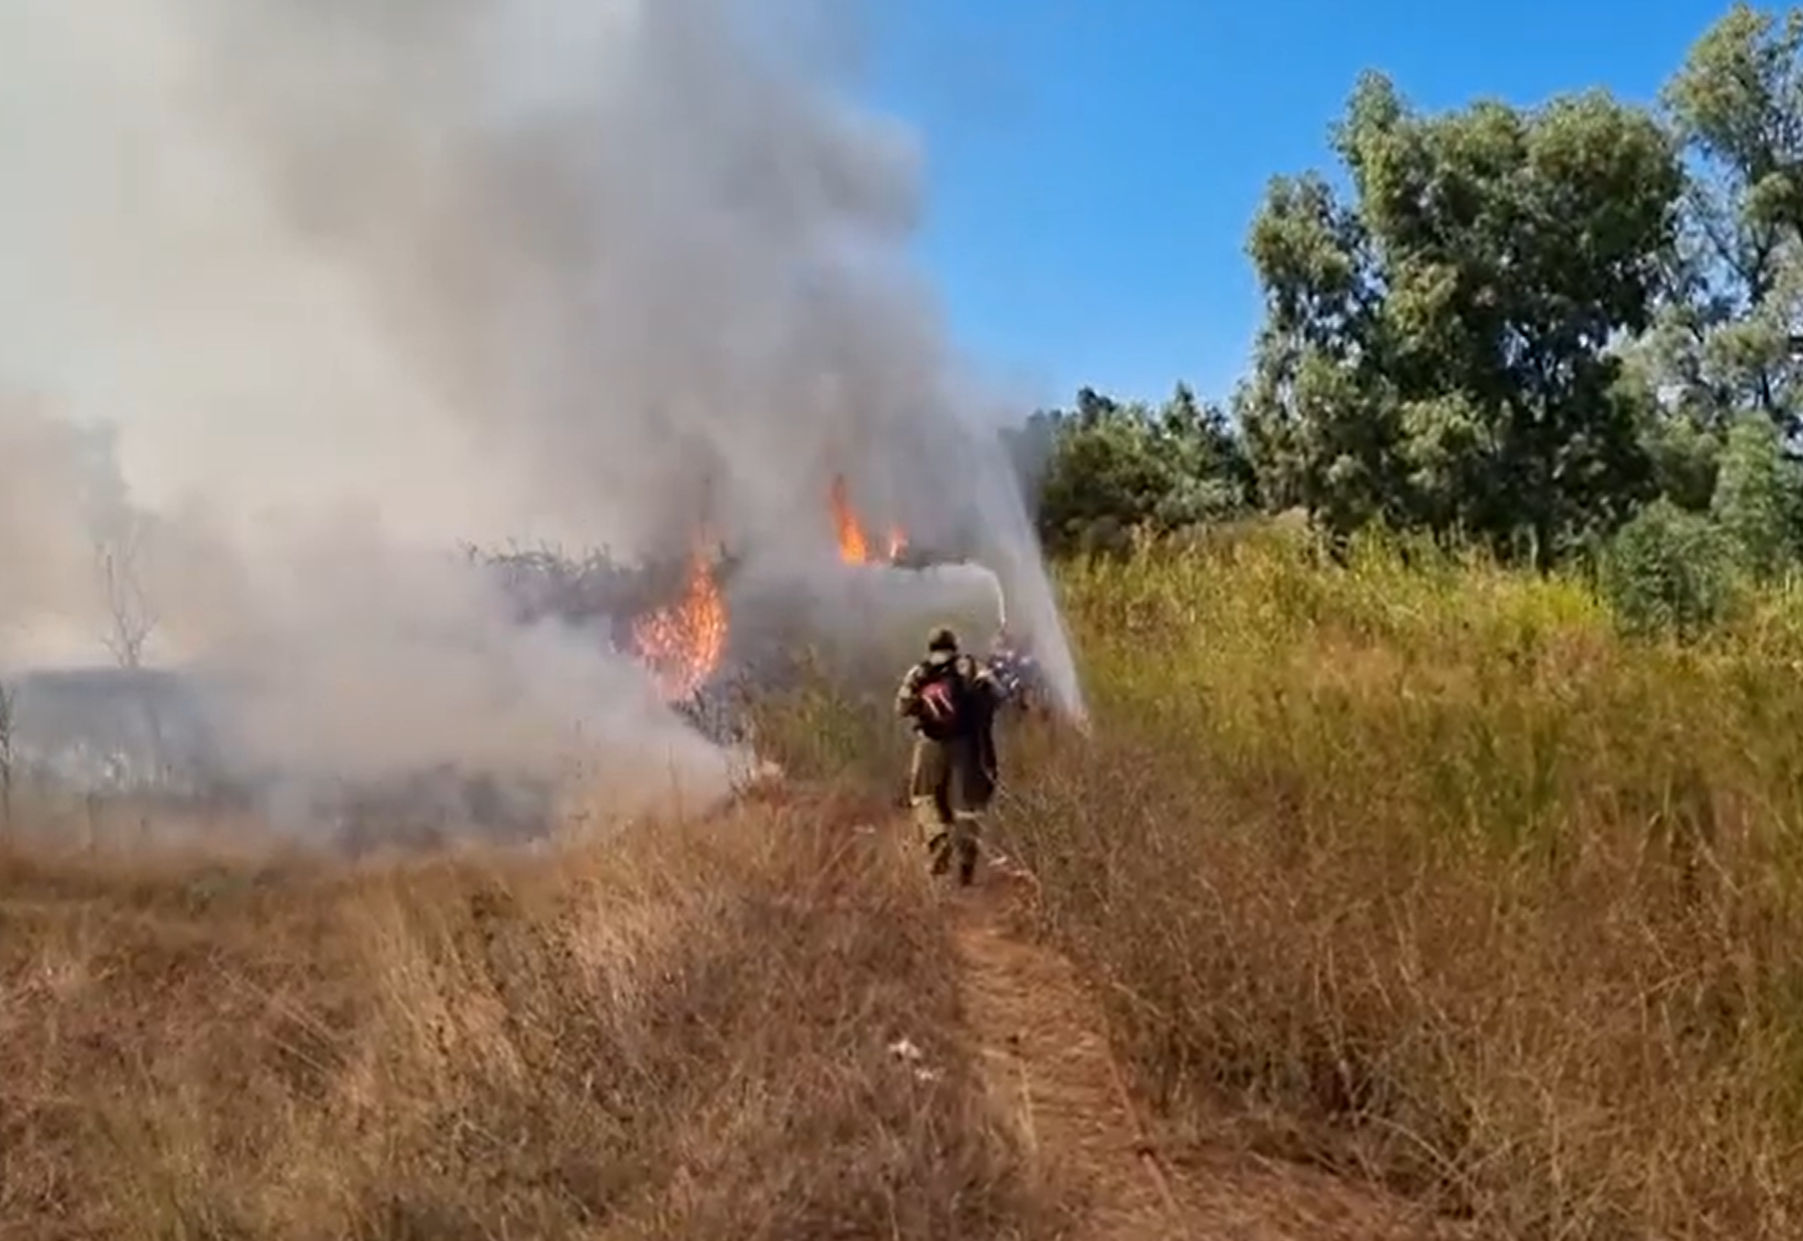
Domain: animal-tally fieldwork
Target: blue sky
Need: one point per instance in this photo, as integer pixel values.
(1093, 165)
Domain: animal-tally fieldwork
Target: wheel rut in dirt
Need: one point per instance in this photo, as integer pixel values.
(1051, 1073)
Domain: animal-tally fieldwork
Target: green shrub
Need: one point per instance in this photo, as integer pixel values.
(1756, 497)
(1669, 571)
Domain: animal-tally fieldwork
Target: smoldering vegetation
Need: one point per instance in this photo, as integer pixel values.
(322, 293)
(169, 741)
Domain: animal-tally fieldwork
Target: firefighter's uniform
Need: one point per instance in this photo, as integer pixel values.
(951, 699)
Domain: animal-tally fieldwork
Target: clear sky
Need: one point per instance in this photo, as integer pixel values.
(1093, 164)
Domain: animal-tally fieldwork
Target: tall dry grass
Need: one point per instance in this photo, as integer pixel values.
(681, 1032)
(1414, 867)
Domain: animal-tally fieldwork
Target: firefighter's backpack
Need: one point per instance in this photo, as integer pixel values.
(943, 694)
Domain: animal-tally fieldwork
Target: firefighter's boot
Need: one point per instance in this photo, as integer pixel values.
(934, 831)
(939, 850)
(965, 833)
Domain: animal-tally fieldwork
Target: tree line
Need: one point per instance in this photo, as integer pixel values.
(1560, 331)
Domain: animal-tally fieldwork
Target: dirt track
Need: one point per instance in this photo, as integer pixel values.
(1050, 1070)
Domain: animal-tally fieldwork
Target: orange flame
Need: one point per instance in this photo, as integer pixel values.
(854, 544)
(682, 643)
(854, 548)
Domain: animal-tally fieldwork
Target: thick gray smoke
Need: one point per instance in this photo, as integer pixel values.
(358, 279)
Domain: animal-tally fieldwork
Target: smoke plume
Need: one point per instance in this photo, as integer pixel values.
(355, 280)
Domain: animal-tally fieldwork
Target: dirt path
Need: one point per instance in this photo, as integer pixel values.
(1050, 1070)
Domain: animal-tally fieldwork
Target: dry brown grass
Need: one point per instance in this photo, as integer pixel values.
(1427, 876)
(672, 1033)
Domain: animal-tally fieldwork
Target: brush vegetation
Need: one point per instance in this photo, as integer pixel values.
(1436, 873)
(1444, 875)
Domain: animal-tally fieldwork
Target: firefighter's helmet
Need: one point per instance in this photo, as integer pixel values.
(942, 644)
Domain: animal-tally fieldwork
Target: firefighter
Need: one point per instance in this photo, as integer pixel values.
(950, 699)
(1017, 673)
(1012, 667)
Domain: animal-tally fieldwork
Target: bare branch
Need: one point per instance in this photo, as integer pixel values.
(8, 719)
(132, 620)
(131, 617)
